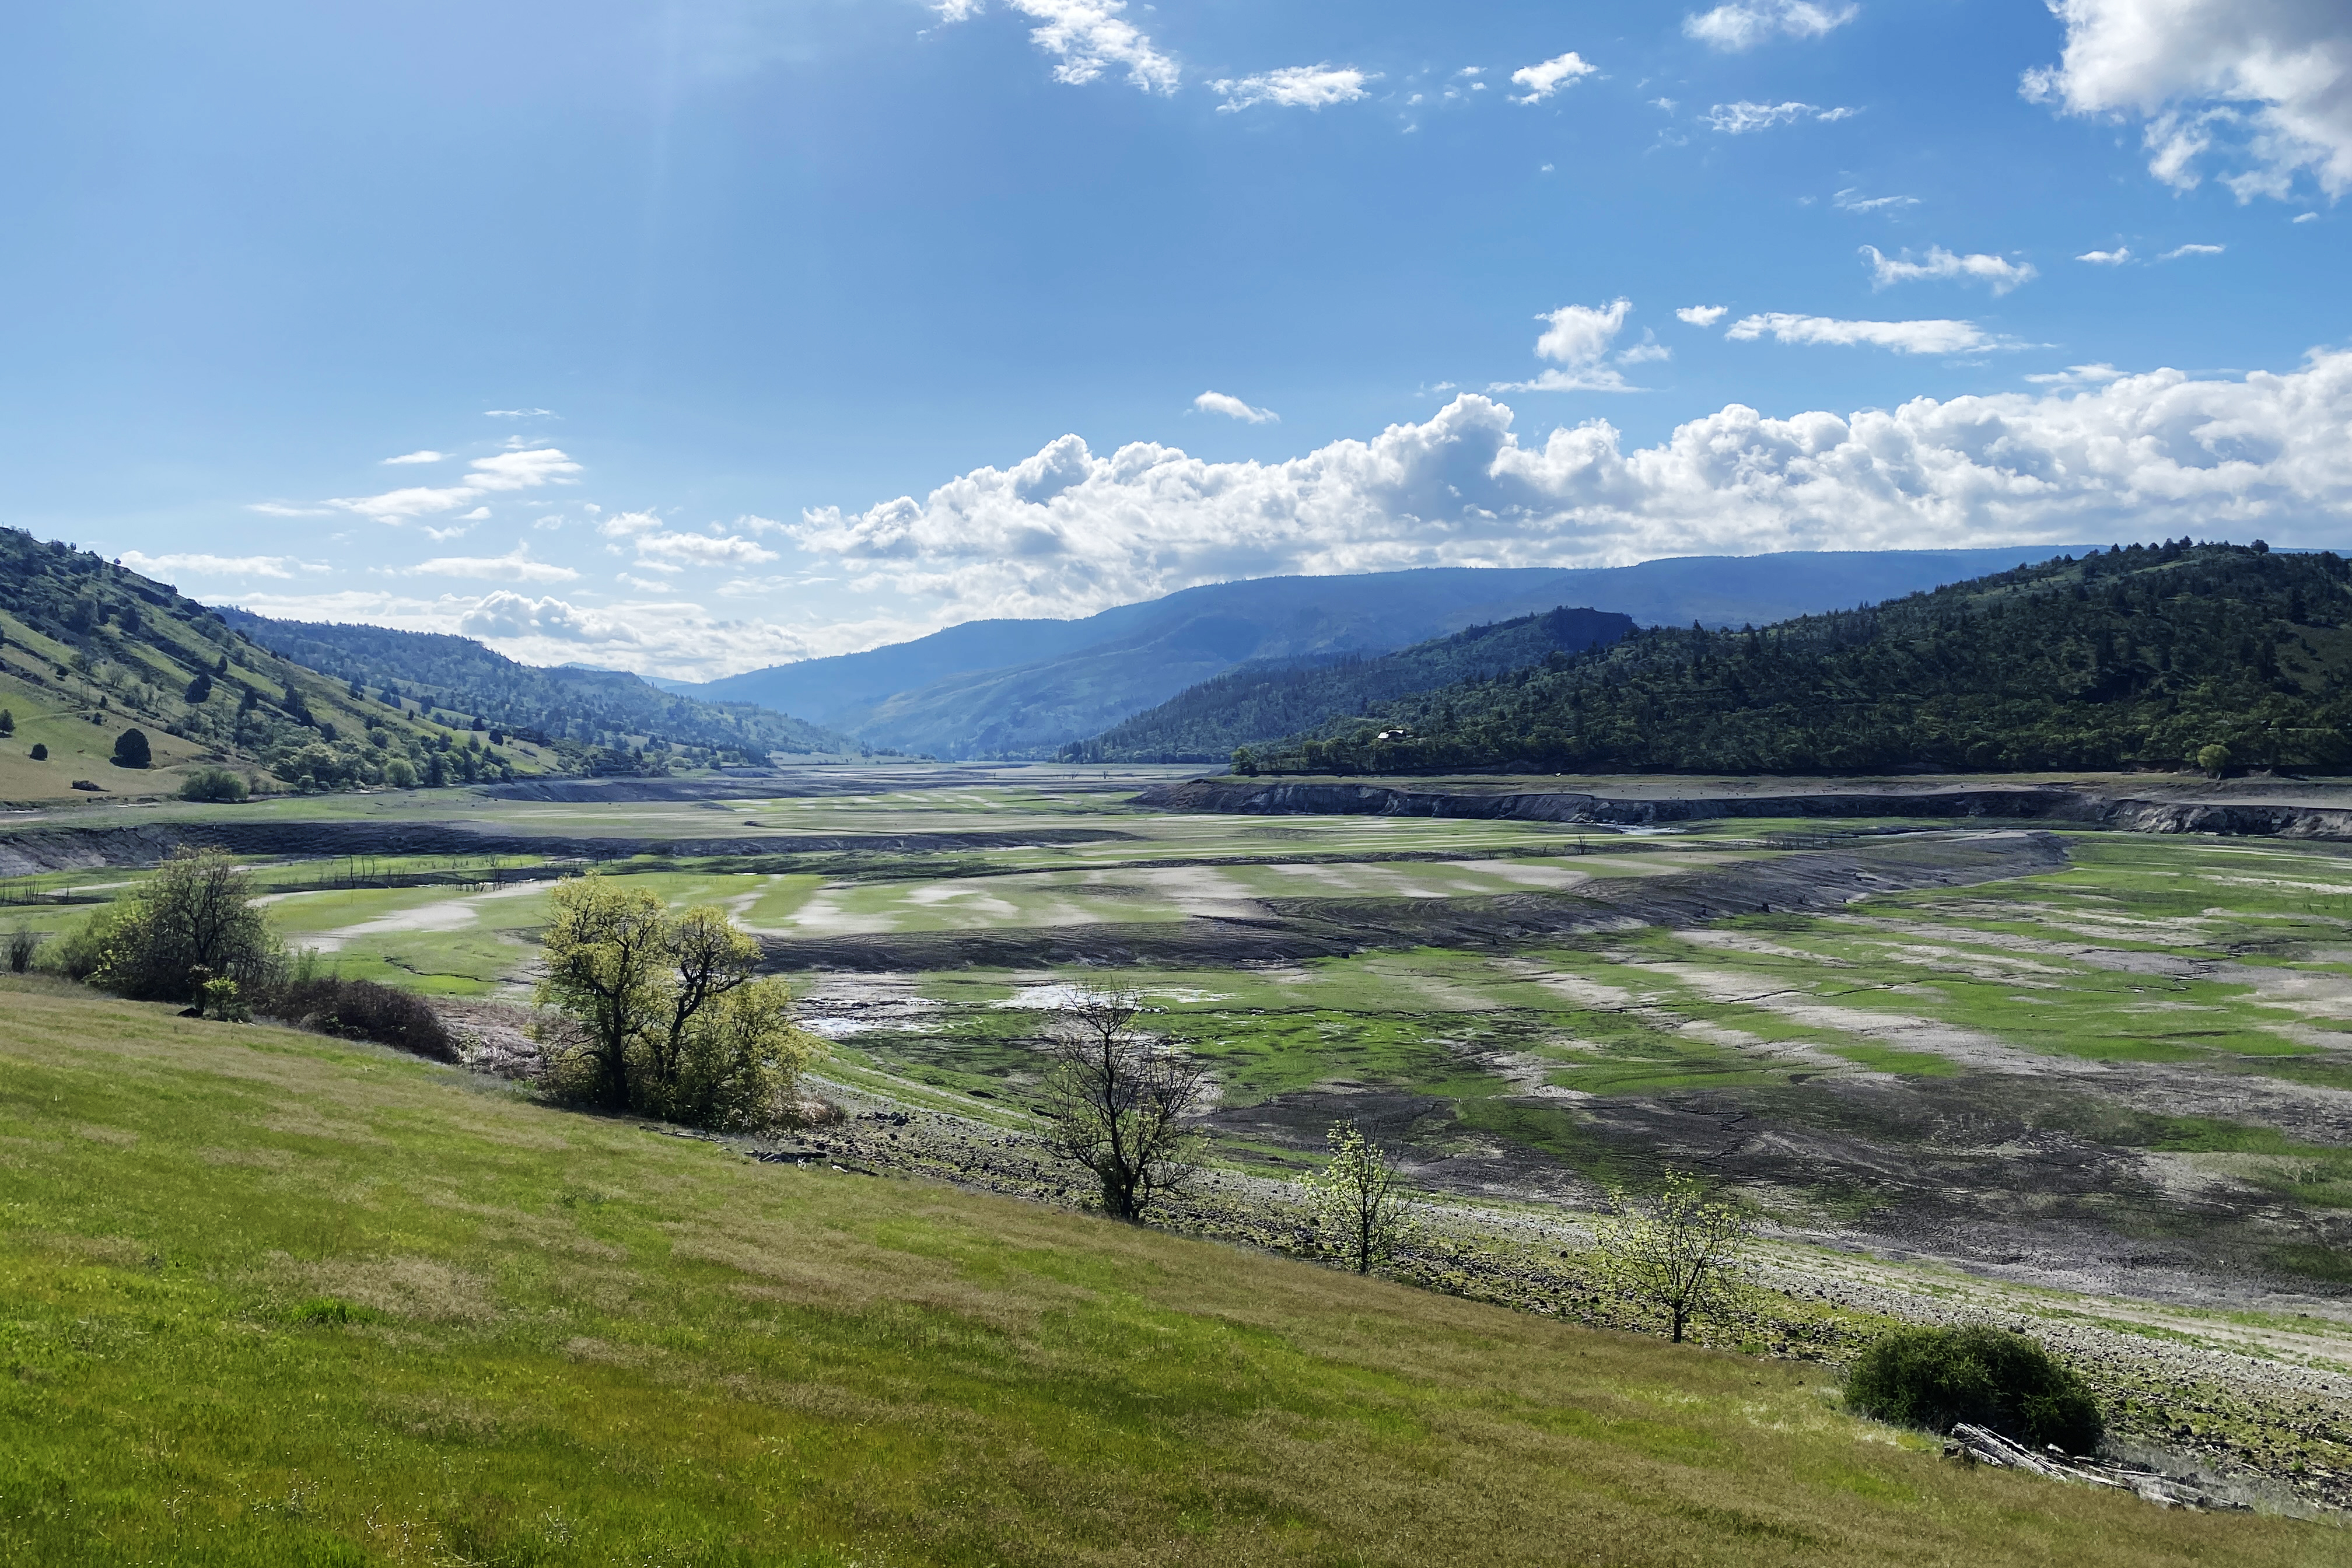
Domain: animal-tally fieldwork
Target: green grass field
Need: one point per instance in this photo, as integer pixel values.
(274, 1300)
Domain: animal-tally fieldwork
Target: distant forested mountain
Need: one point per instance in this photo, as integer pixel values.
(1264, 702)
(1030, 688)
(614, 722)
(2146, 656)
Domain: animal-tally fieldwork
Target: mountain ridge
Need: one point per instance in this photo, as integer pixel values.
(1016, 689)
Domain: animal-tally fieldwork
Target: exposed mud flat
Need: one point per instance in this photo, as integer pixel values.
(2328, 817)
(1291, 930)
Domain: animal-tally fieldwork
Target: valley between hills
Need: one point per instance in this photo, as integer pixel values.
(2064, 1048)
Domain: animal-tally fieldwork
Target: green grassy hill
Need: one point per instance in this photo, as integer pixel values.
(1263, 702)
(576, 710)
(92, 649)
(275, 1300)
(2137, 658)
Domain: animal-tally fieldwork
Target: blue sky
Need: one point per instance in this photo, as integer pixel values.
(728, 332)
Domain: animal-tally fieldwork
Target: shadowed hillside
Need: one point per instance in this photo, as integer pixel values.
(1262, 702)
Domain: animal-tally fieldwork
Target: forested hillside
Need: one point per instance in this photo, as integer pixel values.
(606, 722)
(1265, 701)
(2213, 655)
(93, 650)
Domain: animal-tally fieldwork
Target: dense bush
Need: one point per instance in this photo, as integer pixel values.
(214, 783)
(359, 1010)
(132, 750)
(194, 922)
(1937, 1378)
(80, 952)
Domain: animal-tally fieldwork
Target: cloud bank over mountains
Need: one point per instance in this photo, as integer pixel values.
(1068, 532)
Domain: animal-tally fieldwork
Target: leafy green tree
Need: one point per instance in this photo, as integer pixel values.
(1357, 1199)
(195, 920)
(667, 1017)
(132, 750)
(214, 783)
(7, 722)
(1118, 1105)
(200, 690)
(40, 754)
(2214, 759)
(1679, 1250)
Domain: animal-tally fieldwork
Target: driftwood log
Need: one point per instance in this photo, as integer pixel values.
(1981, 1445)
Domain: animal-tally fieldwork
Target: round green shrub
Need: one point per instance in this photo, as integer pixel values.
(213, 784)
(1937, 1378)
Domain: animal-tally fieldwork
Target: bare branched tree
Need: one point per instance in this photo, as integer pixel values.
(1357, 1195)
(1680, 1250)
(1120, 1106)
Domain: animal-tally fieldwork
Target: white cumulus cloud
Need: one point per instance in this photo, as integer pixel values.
(1852, 200)
(201, 565)
(417, 457)
(516, 565)
(2139, 457)
(2115, 258)
(1744, 24)
(1295, 86)
(1929, 337)
(1089, 37)
(520, 469)
(1940, 263)
(516, 468)
(1744, 119)
(1702, 315)
(1233, 407)
(624, 524)
(1577, 340)
(2179, 251)
(2078, 376)
(702, 548)
(1547, 77)
(2264, 86)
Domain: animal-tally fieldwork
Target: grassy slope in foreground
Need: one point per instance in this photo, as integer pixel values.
(275, 1299)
